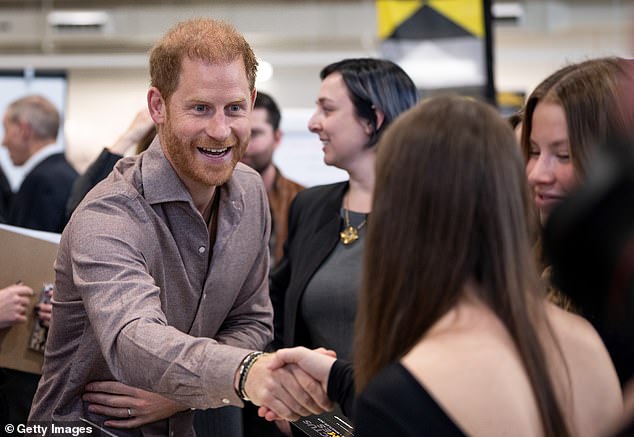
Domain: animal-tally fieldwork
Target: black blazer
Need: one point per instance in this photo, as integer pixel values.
(41, 201)
(313, 232)
(5, 197)
(95, 173)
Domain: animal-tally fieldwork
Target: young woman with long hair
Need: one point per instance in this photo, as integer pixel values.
(454, 335)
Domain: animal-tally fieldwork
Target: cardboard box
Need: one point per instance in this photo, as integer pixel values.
(26, 256)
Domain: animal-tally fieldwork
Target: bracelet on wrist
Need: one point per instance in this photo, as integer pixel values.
(243, 372)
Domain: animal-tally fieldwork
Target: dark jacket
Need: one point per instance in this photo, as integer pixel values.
(5, 197)
(41, 201)
(95, 173)
(313, 233)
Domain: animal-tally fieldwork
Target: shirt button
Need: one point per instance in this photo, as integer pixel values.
(201, 249)
(225, 401)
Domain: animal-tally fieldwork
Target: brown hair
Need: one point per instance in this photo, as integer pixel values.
(39, 113)
(450, 206)
(203, 39)
(590, 95)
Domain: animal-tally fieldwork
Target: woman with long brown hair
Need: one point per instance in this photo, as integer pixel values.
(569, 118)
(453, 334)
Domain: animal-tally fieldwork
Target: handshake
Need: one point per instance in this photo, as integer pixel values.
(287, 384)
(290, 383)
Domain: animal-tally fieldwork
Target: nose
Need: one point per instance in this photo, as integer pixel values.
(218, 127)
(539, 171)
(314, 123)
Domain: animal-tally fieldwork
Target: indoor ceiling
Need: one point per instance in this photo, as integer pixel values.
(87, 4)
(296, 32)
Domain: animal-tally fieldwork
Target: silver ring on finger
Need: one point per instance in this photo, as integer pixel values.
(129, 412)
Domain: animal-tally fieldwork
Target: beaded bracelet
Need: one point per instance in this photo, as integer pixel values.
(243, 371)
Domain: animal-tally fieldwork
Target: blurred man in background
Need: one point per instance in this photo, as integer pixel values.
(265, 137)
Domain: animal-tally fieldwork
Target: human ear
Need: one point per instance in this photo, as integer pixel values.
(156, 104)
(380, 117)
(24, 128)
(277, 137)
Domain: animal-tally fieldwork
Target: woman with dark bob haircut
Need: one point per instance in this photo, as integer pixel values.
(315, 286)
(453, 334)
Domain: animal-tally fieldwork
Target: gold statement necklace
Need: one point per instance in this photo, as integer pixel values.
(350, 234)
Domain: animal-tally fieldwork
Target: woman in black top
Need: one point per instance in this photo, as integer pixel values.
(454, 335)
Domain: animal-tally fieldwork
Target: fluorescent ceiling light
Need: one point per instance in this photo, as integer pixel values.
(507, 10)
(77, 18)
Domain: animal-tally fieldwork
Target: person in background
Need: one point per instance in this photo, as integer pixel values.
(561, 127)
(315, 285)
(31, 125)
(587, 241)
(14, 301)
(567, 120)
(162, 271)
(314, 288)
(454, 335)
(266, 135)
(5, 197)
(138, 135)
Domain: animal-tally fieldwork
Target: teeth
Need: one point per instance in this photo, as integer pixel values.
(214, 150)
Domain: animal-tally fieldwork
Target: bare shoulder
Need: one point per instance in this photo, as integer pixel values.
(594, 386)
(566, 320)
(578, 338)
(476, 376)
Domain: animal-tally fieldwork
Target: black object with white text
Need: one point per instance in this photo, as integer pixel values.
(331, 424)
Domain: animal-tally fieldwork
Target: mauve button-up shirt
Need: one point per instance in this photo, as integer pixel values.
(141, 297)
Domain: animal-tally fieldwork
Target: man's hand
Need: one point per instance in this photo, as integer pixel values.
(14, 301)
(286, 390)
(130, 407)
(314, 363)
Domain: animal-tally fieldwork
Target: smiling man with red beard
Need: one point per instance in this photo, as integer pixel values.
(161, 300)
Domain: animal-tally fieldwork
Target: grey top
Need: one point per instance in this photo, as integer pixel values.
(329, 303)
(141, 299)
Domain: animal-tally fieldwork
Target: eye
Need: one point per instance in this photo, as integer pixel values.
(563, 156)
(533, 152)
(235, 108)
(562, 153)
(200, 108)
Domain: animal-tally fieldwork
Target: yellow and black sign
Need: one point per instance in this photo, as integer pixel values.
(446, 44)
(430, 19)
